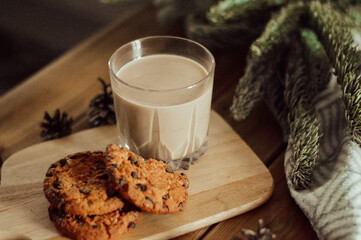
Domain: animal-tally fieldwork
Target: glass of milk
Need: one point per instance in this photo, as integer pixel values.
(162, 88)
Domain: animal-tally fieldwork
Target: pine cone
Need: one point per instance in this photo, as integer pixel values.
(102, 107)
(263, 233)
(56, 127)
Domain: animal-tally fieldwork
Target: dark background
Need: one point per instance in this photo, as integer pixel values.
(34, 32)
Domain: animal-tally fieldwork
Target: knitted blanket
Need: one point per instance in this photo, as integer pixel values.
(333, 201)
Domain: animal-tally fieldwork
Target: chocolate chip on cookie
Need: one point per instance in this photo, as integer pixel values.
(78, 184)
(149, 184)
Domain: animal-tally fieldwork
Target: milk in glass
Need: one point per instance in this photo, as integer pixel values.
(159, 115)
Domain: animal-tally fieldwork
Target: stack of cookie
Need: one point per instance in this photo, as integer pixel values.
(100, 195)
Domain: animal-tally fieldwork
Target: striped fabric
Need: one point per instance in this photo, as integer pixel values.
(333, 202)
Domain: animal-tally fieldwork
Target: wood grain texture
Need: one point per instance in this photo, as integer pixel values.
(228, 180)
(70, 82)
(280, 213)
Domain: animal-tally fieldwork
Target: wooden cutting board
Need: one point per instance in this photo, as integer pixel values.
(229, 179)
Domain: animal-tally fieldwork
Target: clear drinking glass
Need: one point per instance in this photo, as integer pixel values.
(162, 89)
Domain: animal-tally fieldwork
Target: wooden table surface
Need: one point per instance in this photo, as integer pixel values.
(70, 82)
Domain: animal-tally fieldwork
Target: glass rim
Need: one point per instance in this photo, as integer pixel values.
(169, 38)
